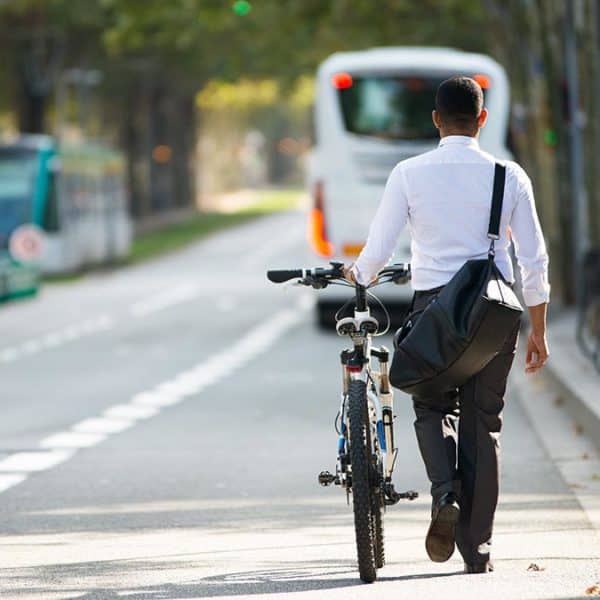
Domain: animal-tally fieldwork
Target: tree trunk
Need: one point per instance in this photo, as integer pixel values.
(31, 111)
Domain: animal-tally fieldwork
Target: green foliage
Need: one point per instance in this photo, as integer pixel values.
(202, 39)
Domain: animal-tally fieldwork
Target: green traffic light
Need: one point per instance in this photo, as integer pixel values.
(550, 137)
(241, 7)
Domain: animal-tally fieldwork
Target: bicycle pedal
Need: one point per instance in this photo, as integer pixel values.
(393, 497)
(326, 478)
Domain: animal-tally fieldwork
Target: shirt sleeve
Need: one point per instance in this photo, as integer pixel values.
(389, 221)
(530, 247)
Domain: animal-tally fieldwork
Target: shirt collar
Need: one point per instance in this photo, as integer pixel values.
(461, 140)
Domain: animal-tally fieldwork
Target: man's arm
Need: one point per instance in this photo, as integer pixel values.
(389, 221)
(532, 257)
(537, 345)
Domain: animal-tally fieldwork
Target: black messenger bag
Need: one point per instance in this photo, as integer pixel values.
(463, 327)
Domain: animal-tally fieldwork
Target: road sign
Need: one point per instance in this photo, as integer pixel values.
(26, 243)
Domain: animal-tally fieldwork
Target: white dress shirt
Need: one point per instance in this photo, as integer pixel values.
(445, 196)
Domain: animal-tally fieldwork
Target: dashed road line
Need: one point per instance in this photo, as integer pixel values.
(53, 339)
(171, 297)
(8, 481)
(63, 445)
(28, 462)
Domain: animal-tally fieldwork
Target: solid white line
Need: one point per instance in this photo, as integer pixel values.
(60, 446)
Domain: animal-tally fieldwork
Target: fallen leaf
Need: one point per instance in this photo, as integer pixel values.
(593, 590)
(578, 428)
(534, 567)
(595, 477)
(585, 456)
(559, 400)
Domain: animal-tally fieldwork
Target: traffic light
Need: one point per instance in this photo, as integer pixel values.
(241, 7)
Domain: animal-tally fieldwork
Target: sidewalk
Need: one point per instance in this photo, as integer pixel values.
(574, 376)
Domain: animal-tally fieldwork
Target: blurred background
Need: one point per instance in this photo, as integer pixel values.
(246, 135)
(198, 106)
(197, 100)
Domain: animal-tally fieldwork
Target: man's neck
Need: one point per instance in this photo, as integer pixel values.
(445, 133)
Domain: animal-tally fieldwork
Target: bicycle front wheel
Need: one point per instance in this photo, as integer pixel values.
(360, 460)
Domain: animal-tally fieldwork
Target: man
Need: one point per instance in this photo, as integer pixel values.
(445, 197)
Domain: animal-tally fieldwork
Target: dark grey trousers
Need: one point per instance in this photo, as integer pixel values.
(458, 435)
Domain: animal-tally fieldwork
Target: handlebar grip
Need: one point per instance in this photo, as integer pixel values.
(281, 275)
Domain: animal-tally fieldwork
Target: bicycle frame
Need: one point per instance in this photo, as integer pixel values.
(357, 365)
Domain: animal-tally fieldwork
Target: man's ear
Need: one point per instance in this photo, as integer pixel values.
(482, 118)
(435, 117)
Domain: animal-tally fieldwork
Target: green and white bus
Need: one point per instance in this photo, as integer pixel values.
(74, 196)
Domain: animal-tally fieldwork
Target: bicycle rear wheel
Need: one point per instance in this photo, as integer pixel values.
(360, 459)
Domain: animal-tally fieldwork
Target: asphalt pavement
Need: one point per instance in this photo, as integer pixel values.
(163, 426)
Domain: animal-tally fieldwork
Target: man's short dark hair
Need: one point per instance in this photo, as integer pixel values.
(459, 101)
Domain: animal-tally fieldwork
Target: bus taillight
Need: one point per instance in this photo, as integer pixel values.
(317, 230)
(483, 80)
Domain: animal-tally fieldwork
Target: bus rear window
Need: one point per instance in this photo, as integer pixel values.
(390, 107)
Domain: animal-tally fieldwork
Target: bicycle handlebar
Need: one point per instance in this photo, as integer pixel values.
(283, 275)
(319, 277)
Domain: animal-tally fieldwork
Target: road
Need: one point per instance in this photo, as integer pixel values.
(163, 426)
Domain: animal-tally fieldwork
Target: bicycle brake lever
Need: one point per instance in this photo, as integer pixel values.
(317, 284)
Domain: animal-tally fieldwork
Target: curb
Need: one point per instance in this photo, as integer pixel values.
(573, 376)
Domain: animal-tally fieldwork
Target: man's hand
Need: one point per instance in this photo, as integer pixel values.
(537, 352)
(537, 346)
(348, 274)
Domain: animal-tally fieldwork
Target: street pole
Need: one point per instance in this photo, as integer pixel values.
(578, 205)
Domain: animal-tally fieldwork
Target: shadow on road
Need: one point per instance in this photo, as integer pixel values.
(302, 577)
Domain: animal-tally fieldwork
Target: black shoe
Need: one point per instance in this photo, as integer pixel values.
(483, 567)
(439, 542)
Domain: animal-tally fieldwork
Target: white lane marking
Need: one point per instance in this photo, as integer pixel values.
(60, 446)
(27, 462)
(130, 411)
(176, 295)
(102, 425)
(72, 439)
(57, 338)
(8, 481)
(150, 399)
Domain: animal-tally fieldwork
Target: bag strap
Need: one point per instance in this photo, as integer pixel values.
(496, 211)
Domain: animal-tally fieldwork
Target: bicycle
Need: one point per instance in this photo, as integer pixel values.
(365, 420)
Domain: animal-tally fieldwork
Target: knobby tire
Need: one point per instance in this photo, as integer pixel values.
(360, 459)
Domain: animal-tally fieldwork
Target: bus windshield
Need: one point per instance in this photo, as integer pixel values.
(390, 106)
(17, 181)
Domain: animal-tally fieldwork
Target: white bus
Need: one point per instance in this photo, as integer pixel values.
(372, 110)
